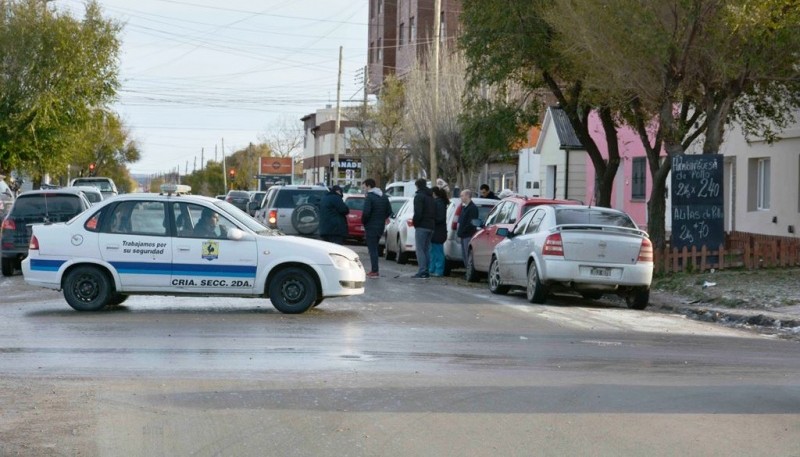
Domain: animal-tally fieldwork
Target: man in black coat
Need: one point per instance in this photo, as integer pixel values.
(487, 193)
(332, 216)
(466, 229)
(424, 223)
(376, 210)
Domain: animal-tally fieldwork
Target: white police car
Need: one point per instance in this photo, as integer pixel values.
(175, 244)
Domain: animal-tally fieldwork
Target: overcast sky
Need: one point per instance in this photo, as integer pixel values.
(195, 72)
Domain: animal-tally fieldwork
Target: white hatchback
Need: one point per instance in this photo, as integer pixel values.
(168, 244)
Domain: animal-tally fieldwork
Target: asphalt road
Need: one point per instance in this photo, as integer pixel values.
(413, 367)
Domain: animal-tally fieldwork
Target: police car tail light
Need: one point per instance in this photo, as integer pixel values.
(273, 217)
(454, 225)
(646, 251)
(8, 224)
(34, 244)
(553, 245)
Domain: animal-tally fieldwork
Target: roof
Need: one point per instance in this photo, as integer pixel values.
(566, 134)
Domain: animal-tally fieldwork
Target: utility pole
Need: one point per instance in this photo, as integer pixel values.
(224, 170)
(202, 158)
(366, 86)
(335, 177)
(437, 33)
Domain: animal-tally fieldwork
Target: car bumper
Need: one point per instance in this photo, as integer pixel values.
(579, 273)
(342, 282)
(48, 278)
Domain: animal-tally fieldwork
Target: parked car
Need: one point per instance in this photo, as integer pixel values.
(238, 198)
(402, 189)
(452, 246)
(262, 215)
(400, 242)
(294, 209)
(150, 244)
(507, 212)
(396, 203)
(106, 185)
(590, 250)
(35, 207)
(256, 199)
(221, 197)
(355, 229)
(91, 193)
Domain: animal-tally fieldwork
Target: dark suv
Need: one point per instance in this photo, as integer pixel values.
(238, 198)
(294, 210)
(35, 207)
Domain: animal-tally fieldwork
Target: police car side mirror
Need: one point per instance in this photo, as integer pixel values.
(236, 234)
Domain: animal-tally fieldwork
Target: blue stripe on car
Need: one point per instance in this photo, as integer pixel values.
(46, 265)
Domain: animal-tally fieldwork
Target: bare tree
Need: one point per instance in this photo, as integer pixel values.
(378, 136)
(420, 112)
(284, 137)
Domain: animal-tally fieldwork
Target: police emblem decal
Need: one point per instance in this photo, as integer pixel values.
(210, 250)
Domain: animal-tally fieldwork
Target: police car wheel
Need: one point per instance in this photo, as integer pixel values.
(117, 299)
(293, 291)
(87, 289)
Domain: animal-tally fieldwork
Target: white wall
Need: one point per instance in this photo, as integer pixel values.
(784, 189)
(529, 173)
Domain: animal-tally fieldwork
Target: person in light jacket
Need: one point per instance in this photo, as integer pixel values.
(469, 212)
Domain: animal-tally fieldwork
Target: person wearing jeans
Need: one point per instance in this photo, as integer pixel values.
(424, 222)
(436, 267)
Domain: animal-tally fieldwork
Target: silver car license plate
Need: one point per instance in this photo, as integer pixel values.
(600, 271)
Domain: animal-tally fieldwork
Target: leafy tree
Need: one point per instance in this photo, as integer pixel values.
(511, 42)
(686, 69)
(56, 72)
(378, 135)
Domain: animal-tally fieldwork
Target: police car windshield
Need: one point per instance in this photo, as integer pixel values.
(243, 218)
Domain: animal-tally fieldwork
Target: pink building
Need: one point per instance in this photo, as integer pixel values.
(633, 181)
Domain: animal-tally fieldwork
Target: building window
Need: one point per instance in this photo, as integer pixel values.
(639, 178)
(762, 188)
(380, 50)
(380, 6)
(402, 33)
(412, 30)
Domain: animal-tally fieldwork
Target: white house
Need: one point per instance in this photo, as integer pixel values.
(562, 158)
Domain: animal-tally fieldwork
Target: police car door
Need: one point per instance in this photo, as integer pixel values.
(205, 260)
(136, 242)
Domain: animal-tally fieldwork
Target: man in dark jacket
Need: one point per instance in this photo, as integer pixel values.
(487, 193)
(466, 229)
(332, 212)
(424, 223)
(376, 209)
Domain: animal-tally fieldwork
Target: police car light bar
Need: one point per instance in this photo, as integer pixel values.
(177, 189)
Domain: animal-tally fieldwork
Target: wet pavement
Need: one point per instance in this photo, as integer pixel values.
(412, 367)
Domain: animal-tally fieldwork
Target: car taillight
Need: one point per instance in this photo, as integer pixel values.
(229, 199)
(410, 222)
(273, 217)
(553, 245)
(646, 251)
(8, 224)
(34, 244)
(454, 225)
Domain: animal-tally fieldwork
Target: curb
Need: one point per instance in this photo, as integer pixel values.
(766, 322)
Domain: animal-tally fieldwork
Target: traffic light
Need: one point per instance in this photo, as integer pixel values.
(91, 169)
(232, 172)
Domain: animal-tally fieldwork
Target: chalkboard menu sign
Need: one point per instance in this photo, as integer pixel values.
(697, 201)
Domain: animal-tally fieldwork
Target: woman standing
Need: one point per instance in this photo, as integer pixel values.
(440, 201)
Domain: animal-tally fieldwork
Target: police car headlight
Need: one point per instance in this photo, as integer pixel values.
(341, 262)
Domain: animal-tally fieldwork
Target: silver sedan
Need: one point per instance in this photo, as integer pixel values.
(589, 250)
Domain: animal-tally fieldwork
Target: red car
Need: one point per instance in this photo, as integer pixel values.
(355, 229)
(504, 215)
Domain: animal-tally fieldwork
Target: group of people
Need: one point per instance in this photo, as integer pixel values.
(430, 222)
